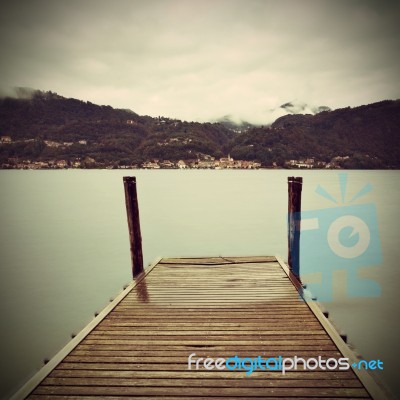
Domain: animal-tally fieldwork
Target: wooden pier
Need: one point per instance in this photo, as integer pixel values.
(183, 309)
(138, 347)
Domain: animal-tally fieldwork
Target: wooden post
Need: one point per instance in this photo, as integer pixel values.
(132, 210)
(294, 219)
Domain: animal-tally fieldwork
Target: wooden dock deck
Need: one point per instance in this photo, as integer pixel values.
(138, 347)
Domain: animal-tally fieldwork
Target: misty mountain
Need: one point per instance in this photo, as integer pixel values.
(366, 136)
(110, 135)
(234, 124)
(45, 126)
(296, 107)
(293, 107)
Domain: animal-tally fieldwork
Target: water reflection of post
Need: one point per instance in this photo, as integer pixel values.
(141, 292)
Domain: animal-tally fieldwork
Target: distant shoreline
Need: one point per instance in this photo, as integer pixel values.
(200, 169)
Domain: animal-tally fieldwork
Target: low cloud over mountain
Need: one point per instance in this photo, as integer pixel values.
(47, 127)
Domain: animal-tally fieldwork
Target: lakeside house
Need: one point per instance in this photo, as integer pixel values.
(61, 164)
(151, 165)
(167, 164)
(181, 164)
(307, 163)
(5, 139)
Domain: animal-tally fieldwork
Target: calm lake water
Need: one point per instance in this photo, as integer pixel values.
(64, 248)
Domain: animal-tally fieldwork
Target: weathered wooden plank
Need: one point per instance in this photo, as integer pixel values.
(284, 312)
(193, 313)
(217, 260)
(206, 342)
(201, 374)
(235, 294)
(258, 338)
(202, 331)
(220, 300)
(275, 313)
(170, 367)
(181, 397)
(200, 382)
(232, 347)
(272, 306)
(254, 317)
(183, 353)
(152, 359)
(233, 335)
(223, 281)
(278, 295)
(199, 391)
(166, 324)
(196, 330)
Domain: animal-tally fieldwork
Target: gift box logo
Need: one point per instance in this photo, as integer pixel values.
(345, 237)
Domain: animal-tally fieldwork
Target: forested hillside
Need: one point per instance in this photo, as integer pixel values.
(44, 126)
(368, 135)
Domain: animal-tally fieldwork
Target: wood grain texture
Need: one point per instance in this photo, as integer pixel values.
(213, 307)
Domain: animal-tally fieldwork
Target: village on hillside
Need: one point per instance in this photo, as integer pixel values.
(202, 161)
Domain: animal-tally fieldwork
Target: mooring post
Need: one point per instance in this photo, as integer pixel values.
(294, 219)
(135, 236)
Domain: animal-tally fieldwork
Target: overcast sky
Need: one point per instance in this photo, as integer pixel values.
(203, 59)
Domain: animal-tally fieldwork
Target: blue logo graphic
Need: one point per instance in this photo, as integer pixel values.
(345, 237)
